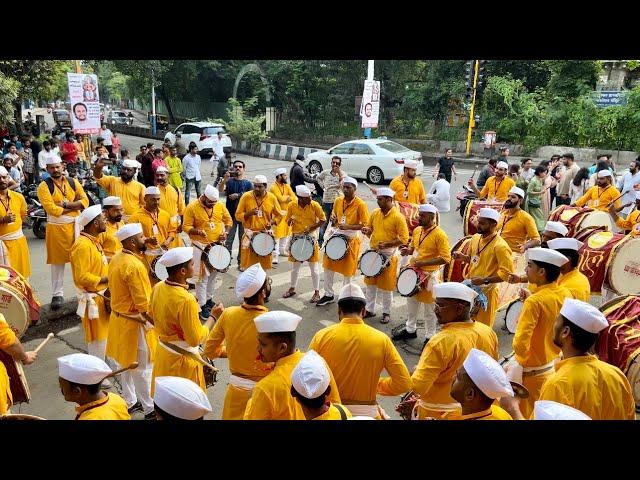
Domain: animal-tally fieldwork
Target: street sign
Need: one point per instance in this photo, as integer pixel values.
(370, 105)
(84, 99)
(608, 98)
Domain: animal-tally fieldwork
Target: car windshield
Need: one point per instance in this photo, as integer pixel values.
(393, 147)
(213, 130)
(62, 115)
(119, 114)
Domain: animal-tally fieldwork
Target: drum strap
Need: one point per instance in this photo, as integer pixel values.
(193, 356)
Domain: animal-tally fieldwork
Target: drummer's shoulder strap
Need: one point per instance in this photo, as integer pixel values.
(49, 182)
(343, 414)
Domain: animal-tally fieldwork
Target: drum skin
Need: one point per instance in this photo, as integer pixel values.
(623, 267)
(570, 217)
(219, 257)
(342, 242)
(302, 247)
(262, 241)
(414, 279)
(512, 315)
(14, 308)
(370, 263)
(470, 219)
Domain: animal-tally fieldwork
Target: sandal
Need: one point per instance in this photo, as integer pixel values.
(386, 318)
(288, 294)
(315, 298)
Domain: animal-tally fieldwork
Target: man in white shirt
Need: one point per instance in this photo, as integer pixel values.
(439, 194)
(107, 136)
(191, 168)
(626, 184)
(43, 155)
(218, 152)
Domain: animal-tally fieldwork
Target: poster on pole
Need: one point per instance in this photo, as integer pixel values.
(85, 102)
(370, 107)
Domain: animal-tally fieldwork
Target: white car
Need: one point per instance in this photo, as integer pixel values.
(375, 160)
(201, 133)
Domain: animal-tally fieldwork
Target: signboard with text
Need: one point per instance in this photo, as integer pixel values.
(370, 107)
(85, 103)
(605, 98)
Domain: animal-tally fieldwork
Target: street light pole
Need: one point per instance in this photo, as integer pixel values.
(370, 64)
(153, 105)
(472, 118)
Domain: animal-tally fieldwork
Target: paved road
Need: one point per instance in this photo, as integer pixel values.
(47, 400)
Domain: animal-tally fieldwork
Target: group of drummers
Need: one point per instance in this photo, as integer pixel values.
(133, 275)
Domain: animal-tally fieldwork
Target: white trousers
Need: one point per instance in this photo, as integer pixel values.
(281, 246)
(371, 294)
(136, 384)
(97, 349)
(404, 261)
(430, 319)
(206, 288)
(315, 274)
(329, 275)
(57, 280)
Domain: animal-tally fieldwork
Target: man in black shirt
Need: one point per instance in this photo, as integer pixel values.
(234, 188)
(297, 175)
(487, 171)
(446, 166)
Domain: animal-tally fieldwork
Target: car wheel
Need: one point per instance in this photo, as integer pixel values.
(375, 176)
(315, 167)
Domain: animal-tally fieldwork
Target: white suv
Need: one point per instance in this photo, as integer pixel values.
(201, 133)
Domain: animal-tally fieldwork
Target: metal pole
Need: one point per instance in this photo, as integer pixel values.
(472, 118)
(153, 105)
(78, 69)
(370, 64)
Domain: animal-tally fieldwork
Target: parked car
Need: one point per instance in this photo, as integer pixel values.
(62, 120)
(202, 133)
(118, 117)
(374, 160)
(162, 121)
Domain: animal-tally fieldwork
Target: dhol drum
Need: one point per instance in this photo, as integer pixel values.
(19, 416)
(14, 308)
(302, 247)
(576, 218)
(411, 280)
(15, 282)
(336, 247)
(456, 270)
(619, 344)
(470, 220)
(263, 243)
(411, 212)
(157, 270)
(512, 315)
(623, 267)
(373, 263)
(17, 379)
(595, 254)
(216, 257)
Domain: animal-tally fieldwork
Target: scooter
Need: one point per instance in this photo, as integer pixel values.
(37, 218)
(464, 198)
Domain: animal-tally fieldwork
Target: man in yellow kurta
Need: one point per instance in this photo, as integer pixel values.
(602, 195)
(14, 251)
(408, 187)
(581, 380)
(570, 276)
(446, 351)
(258, 211)
(171, 202)
(497, 187)
(89, 267)
(305, 216)
(175, 312)
(429, 248)
(632, 222)
(157, 228)
(112, 207)
(516, 226)
(348, 216)
(387, 229)
(271, 398)
(480, 380)
(283, 192)
(10, 345)
(357, 354)
(130, 191)
(533, 344)
(62, 199)
(174, 165)
(236, 328)
(131, 336)
(206, 221)
(489, 262)
(80, 377)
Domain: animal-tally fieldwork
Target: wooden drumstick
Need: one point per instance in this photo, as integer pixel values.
(43, 343)
(617, 198)
(475, 169)
(132, 366)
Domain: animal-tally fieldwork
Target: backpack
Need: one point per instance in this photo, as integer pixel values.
(72, 183)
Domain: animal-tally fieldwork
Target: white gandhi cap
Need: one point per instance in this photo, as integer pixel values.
(277, 321)
(181, 398)
(176, 256)
(489, 213)
(565, 243)
(310, 377)
(454, 290)
(128, 230)
(351, 290)
(152, 191)
(303, 191)
(211, 192)
(556, 227)
(350, 180)
(604, 173)
(259, 179)
(111, 202)
(504, 165)
(549, 410)
(82, 368)
(410, 164)
(250, 281)
(546, 255)
(279, 171)
(89, 214)
(161, 169)
(385, 192)
(517, 191)
(584, 315)
(487, 374)
(428, 208)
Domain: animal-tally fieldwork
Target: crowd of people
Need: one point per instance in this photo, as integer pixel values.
(133, 271)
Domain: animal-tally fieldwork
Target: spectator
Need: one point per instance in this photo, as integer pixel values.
(515, 173)
(331, 183)
(439, 194)
(28, 169)
(191, 166)
(563, 190)
(36, 146)
(446, 166)
(69, 150)
(87, 145)
(115, 144)
(549, 183)
(298, 175)
(107, 135)
(14, 173)
(158, 161)
(42, 159)
(222, 167)
(235, 187)
(489, 170)
(148, 177)
(218, 151)
(556, 169)
(526, 174)
(579, 184)
(504, 155)
(626, 184)
(601, 165)
(174, 165)
(82, 158)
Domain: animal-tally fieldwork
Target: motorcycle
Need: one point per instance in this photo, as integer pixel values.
(90, 186)
(36, 216)
(464, 198)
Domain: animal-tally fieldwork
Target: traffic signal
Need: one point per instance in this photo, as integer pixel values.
(481, 69)
(469, 73)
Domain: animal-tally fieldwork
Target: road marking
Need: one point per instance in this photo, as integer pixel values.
(67, 331)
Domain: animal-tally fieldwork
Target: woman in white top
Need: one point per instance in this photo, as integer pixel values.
(579, 185)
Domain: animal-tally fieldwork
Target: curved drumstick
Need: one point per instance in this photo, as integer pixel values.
(617, 198)
(475, 169)
(132, 366)
(43, 343)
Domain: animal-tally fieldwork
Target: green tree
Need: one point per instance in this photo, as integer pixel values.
(8, 93)
(243, 127)
(572, 78)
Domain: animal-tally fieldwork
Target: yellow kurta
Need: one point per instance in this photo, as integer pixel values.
(113, 407)
(517, 229)
(497, 191)
(17, 250)
(533, 341)
(632, 220)
(304, 217)
(237, 330)
(414, 190)
(285, 196)
(7, 338)
(110, 244)
(163, 229)
(174, 165)
(271, 398)
(440, 360)
(600, 198)
(433, 243)
(131, 193)
(386, 228)
(494, 412)
(89, 265)
(270, 210)
(357, 354)
(130, 293)
(354, 213)
(173, 203)
(176, 315)
(60, 237)
(577, 283)
(333, 413)
(494, 259)
(594, 387)
(211, 220)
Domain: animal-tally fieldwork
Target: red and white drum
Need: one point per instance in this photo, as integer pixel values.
(411, 280)
(373, 263)
(512, 315)
(595, 254)
(456, 270)
(17, 380)
(15, 309)
(470, 220)
(577, 218)
(623, 267)
(263, 243)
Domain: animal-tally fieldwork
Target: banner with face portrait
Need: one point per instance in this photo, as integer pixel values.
(370, 108)
(85, 102)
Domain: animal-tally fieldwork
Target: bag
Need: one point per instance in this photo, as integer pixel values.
(70, 180)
